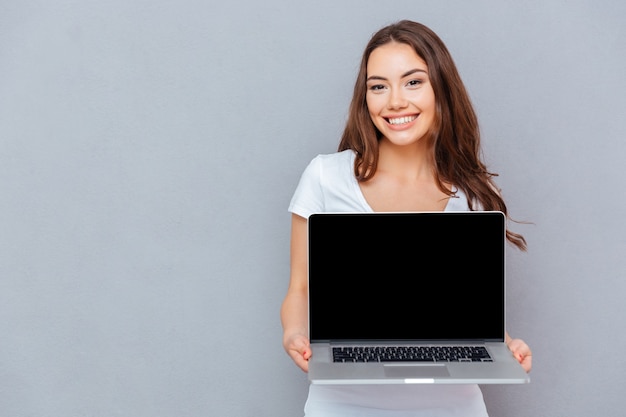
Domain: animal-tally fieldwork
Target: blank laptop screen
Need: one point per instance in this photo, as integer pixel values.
(406, 276)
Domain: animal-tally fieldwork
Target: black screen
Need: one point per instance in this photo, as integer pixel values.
(406, 276)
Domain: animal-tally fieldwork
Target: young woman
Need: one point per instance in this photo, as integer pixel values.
(411, 143)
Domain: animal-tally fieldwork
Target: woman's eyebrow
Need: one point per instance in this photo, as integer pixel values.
(406, 74)
(413, 71)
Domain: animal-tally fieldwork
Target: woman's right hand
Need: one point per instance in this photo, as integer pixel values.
(299, 349)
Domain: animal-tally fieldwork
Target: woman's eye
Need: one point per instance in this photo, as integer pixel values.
(376, 87)
(414, 83)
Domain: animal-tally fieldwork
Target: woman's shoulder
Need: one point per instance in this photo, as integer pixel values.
(334, 165)
(336, 158)
(328, 184)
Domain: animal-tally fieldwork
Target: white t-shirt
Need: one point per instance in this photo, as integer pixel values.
(328, 184)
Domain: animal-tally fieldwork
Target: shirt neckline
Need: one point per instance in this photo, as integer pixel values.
(361, 197)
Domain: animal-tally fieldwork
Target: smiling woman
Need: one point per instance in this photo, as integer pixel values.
(411, 143)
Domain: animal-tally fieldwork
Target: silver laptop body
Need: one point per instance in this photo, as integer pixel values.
(430, 283)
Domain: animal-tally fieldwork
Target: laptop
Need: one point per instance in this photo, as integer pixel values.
(409, 298)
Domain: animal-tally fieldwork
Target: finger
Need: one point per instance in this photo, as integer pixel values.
(519, 347)
(521, 351)
(526, 362)
(301, 363)
(516, 344)
(301, 359)
(300, 352)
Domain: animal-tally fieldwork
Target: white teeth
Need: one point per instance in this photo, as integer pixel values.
(402, 120)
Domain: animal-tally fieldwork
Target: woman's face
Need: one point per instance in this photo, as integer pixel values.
(400, 98)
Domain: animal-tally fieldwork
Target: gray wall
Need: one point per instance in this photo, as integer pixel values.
(149, 149)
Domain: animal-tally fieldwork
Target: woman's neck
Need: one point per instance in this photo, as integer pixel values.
(404, 181)
(411, 162)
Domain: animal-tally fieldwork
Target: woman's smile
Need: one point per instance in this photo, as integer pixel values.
(401, 121)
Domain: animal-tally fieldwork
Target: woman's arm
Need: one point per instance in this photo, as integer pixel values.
(294, 311)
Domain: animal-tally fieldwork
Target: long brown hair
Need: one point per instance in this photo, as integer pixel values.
(455, 134)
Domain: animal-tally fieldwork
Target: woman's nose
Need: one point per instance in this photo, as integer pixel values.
(397, 100)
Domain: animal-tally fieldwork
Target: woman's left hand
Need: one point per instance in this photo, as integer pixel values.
(521, 351)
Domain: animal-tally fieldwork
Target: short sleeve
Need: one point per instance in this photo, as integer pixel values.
(309, 197)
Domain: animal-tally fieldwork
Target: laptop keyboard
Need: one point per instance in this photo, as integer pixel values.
(411, 354)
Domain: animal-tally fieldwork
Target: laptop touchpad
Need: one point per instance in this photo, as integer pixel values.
(415, 371)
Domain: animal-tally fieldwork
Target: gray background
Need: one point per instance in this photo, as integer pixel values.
(149, 149)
